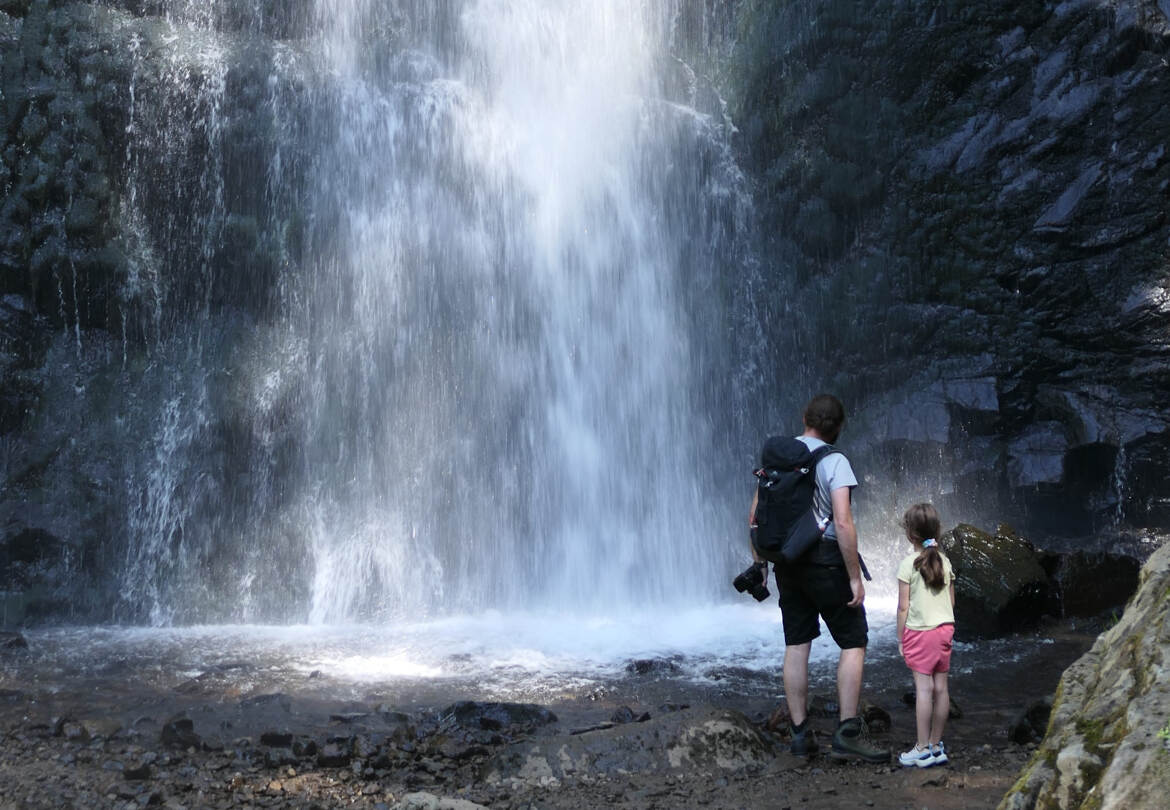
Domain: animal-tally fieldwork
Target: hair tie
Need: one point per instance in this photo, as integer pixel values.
(929, 542)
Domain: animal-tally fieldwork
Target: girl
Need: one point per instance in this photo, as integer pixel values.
(926, 627)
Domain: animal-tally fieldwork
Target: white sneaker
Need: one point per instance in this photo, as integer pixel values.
(940, 754)
(922, 757)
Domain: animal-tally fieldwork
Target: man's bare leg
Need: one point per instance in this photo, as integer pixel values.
(796, 681)
(850, 669)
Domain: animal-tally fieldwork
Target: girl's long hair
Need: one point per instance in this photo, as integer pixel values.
(921, 523)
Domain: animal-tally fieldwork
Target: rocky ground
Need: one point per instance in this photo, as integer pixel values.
(116, 739)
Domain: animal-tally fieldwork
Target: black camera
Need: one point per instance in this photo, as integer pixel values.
(753, 580)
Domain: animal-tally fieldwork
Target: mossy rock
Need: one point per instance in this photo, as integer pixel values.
(1000, 585)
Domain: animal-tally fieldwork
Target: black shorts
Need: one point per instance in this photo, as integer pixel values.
(809, 591)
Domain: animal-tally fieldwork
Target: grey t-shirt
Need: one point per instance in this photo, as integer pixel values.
(833, 472)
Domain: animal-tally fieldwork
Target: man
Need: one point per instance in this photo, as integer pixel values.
(827, 583)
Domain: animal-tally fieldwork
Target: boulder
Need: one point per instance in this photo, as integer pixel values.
(277, 739)
(429, 801)
(490, 716)
(179, 732)
(698, 740)
(12, 641)
(1031, 723)
(624, 714)
(651, 666)
(334, 755)
(1000, 585)
(1106, 744)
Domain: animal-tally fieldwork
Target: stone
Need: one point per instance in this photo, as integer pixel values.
(651, 666)
(277, 757)
(494, 716)
(179, 732)
(349, 717)
(304, 747)
(1000, 585)
(278, 699)
(277, 739)
(1037, 456)
(1104, 744)
(687, 740)
(623, 714)
(422, 800)
(11, 640)
(137, 771)
(1031, 723)
(333, 755)
(954, 713)
(779, 719)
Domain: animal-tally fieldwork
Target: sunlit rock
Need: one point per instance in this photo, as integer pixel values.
(1108, 740)
(422, 800)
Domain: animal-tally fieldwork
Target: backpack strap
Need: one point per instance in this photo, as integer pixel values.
(818, 454)
(821, 452)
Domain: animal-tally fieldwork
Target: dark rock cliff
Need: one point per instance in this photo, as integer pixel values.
(974, 196)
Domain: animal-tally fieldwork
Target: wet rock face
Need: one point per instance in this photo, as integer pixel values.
(982, 188)
(1106, 744)
(105, 109)
(1089, 584)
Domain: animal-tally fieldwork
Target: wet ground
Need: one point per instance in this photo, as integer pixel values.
(84, 717)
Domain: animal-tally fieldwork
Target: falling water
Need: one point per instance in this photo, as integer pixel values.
(499, 365)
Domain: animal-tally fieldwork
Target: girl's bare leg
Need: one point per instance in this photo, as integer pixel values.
(942, 707)
(923, 705)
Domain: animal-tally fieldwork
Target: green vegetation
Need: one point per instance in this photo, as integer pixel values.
(1091, 731)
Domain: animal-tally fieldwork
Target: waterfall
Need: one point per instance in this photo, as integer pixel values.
(499, 363)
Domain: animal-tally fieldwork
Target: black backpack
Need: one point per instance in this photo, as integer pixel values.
(786, 526)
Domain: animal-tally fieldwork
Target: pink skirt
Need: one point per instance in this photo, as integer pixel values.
(928, 651)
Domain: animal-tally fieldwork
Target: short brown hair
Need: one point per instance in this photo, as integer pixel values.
(826, 415)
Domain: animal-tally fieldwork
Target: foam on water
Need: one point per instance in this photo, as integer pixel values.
(494, 653)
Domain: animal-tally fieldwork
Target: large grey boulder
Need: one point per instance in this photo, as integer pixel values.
(1000, 585)
(1107, 745)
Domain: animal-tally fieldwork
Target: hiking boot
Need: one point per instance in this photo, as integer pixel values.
(804, 742)
(920, 757)
(940, 754)
(851, 741)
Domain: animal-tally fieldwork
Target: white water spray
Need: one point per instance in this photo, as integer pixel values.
(502, 368)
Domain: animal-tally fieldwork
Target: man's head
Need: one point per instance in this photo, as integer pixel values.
(826, 415)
